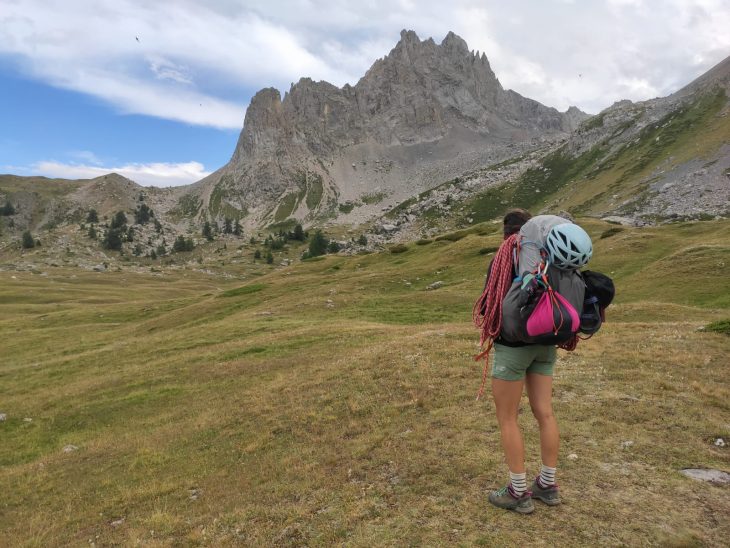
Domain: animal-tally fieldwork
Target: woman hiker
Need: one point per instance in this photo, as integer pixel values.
(517, 365)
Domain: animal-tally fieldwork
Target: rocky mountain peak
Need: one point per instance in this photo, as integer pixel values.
(421, 92)
(455, 43)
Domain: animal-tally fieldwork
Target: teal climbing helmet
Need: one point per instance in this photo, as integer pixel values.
(569, 246)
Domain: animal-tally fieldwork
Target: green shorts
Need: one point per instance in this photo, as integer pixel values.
(512, 363)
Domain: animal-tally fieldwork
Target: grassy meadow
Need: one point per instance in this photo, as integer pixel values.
(331, 402)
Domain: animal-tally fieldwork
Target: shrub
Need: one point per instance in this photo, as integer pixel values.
(453, 236)
(92, 217)
(228, 226)
(28, 242)
(298, 233)
(333, 247)
(362, 240)
(611, 232)
(92, 232)
(237, 229)
(487, 250)
(721, 326)
(182, 244)
(257, 254)
(119, 220)
(398, 248)
(423, 241)
(269, 258)
(7, 210)
(143, 214)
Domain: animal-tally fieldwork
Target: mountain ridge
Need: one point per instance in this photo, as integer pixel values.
(420, 93)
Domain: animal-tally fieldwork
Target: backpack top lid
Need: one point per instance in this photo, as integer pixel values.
(569, 246)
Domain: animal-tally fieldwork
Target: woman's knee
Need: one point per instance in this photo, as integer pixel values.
(543, 413)
(507, 415)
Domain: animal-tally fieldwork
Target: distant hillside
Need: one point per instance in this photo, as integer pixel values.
(647, 161)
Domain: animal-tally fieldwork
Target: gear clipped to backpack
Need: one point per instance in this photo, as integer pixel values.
(600, 291)
(549, 317)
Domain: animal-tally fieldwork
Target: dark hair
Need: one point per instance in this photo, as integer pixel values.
(514, 219)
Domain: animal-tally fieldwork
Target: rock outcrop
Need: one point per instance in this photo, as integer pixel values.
(390, 135)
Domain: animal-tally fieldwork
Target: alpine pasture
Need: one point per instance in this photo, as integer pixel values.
(331, 402)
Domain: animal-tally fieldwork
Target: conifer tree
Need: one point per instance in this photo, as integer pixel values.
(318, 244)
(28, 241)
(207, 231)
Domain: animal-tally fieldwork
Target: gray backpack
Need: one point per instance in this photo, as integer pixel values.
(543, 305)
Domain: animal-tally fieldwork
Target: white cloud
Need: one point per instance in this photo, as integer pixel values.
(166, 70)
(191, 53)
(151, 174)
(86, 156)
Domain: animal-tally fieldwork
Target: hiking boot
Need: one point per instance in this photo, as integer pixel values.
(503, 498)
(549, 495)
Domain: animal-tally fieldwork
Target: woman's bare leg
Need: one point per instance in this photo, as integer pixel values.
(507, 396)
(540, 392)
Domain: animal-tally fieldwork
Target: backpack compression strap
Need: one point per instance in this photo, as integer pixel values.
(487, 311)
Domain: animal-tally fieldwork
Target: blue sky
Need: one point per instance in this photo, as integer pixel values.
(158, 91)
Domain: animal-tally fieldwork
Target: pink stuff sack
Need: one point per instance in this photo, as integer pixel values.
(553, 317)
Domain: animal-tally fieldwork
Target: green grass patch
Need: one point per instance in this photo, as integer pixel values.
(286, 207)
(315, 190)
(373, 198)
(721, 326)
(188, 205)
(346, 207)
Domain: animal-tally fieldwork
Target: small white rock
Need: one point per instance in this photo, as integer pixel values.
(719, 442)
(3, 417)
(27, 419)
(626, 444)
(70, 448)
(572, 456)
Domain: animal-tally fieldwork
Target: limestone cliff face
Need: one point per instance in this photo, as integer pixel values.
(370, 137)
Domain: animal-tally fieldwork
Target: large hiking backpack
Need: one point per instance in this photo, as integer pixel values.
(543, 305)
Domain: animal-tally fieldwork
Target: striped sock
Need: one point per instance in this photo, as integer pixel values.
(547, 476)
(518, 484)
